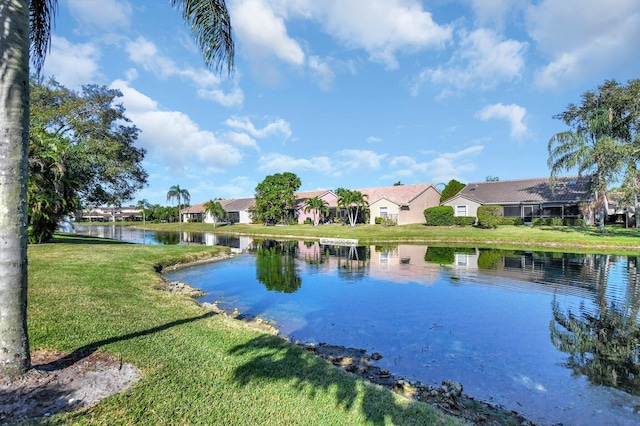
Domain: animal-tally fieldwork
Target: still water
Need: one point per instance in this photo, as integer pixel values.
(554, 336)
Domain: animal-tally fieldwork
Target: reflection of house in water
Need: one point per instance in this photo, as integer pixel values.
(564, 273)
(237, 243)
(402, 264)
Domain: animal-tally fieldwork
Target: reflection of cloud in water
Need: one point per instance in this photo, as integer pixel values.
(529, 383)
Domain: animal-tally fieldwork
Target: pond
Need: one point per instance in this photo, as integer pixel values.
(554, 336)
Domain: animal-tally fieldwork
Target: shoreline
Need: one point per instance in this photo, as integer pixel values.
(449, 397)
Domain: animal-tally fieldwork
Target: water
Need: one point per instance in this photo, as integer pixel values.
(553, 336)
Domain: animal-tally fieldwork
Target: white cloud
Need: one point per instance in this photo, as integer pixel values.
(322, 72)
(584, 38)
(452, 165)
(83, 56)
(374, 139)
(263, 32)
(382, 27)
(146, 54)
(354, 159)
(278, 163)
(174, 138)
(103, 14)
(279, 126)
(241, 139)
(513, 113)
(483, 60)
(495, 12)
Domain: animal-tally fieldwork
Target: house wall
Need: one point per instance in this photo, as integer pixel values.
(393, 210)
(415, 212)
(472, 206)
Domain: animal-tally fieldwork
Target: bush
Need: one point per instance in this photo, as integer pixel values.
(439, 216)
(516, 221)
(379, 220)
(308, 221)
(489, 216)
(464, 220)
(574, 222)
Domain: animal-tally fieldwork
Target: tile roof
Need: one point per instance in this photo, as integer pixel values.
(570, 189)
(199, 208)
(239, 204)
(400, 194)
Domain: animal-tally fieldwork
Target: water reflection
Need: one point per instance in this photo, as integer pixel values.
(276, 266)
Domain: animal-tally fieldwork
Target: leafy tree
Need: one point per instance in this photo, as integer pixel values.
(353, 202)
(177, 193)
(27, 26)
(318, 206)
(490, 178)
(215, 210)
(81, 151)
(596, 143)
(275, 198)
(451, 189)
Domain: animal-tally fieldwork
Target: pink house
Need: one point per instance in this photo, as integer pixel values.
(327, 195)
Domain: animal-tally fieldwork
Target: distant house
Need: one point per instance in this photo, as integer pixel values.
(111, 214)
(327, 195)
(525, 198)
(238, 209)
(404, 204)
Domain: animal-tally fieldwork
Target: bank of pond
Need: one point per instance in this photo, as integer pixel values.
(552, 335)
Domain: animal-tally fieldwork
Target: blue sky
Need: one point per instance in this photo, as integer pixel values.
(348, 93)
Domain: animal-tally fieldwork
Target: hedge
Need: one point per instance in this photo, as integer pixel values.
(489, 216)
(464, 220)
(439, 216)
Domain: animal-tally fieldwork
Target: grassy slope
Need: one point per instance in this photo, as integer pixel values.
(615, 241)
(198, 368)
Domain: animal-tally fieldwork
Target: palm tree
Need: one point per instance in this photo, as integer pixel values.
(27, 26)
(215, 210)
(143, 205)
(318, 206)
(176, 193)
(352, 201)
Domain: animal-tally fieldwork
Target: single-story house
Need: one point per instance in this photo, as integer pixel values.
(111, 214)
(238, 209)
(403, 204)
(526, 198)
(327, 195)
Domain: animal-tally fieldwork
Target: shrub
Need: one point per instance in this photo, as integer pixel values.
(308, 221)
(489, 216)
(464, 220)
(439, 216)
(379, 220)
(517, 221)
(575, 222)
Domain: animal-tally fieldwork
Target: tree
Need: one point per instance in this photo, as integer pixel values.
(27, 26)
(81, 151)
(143, 205)
(275, 198)
(318, 206)
(215, 210)
(451, 189)
(353, 202)
(177, 193)
(596, 142)
(490, 178)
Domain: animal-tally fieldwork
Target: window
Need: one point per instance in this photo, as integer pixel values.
(511, 211)
(461, 210)
(383, 211)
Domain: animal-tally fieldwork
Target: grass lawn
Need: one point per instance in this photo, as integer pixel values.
(616, 240)
(197, 368)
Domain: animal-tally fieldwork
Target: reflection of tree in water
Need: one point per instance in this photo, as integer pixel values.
(275, 265)
(168, 238)
(353, 261)
(604, 345)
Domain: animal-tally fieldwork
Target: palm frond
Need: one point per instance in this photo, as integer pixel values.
(41, 21)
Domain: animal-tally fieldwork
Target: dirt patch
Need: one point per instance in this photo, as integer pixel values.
(60, 382)
(448, 397)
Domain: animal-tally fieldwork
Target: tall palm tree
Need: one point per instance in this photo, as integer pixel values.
(27, 26)
(353, 202)
(143, 205)
(318, 207)
(177, 193)
(215, 210)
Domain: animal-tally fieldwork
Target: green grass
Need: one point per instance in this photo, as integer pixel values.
(88, 295)
(615, 240)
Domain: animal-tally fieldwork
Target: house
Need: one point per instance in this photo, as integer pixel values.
(327, 195)
(111, 214)
(238, 209)
(403, 204)
(525, 198)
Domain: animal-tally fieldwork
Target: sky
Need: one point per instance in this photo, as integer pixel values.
(347, 93)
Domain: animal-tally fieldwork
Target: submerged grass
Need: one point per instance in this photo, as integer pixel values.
(89, 294)
(616, 240)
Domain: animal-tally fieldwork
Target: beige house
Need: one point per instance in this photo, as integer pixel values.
(526, 198)
(404, 204)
